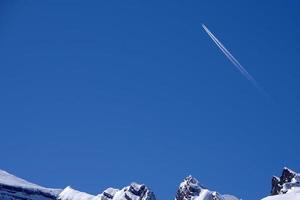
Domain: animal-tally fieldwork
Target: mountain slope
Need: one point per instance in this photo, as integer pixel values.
(12, 187)
(289, 196)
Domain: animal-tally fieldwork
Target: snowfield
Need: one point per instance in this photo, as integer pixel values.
(289, 196)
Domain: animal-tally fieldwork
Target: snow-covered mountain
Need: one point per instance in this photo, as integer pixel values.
(14, 188)
(285, 187)
(133, 192)
(190, 189)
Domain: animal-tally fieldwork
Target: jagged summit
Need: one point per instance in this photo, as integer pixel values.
(285, 187)
(190, 189)
(287, 181)
(133, 192)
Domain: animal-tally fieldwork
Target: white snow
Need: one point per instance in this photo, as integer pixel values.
(292, 190)
(229, 197)
(11, 180)
(190, 185)
(125, 192)
(204, 194)
(288, 196)
(70, 194)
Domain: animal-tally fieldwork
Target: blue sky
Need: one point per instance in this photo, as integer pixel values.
(102, 93)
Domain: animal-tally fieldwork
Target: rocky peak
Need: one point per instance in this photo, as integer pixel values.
(190, 189)
(134, 191)
(137, 192)
(288, 180)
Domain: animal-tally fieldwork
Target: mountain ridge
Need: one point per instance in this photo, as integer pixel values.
(285, 187)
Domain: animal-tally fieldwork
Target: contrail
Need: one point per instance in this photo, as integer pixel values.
(233, 60)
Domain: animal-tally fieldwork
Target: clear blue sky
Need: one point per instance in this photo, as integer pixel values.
(101, 93)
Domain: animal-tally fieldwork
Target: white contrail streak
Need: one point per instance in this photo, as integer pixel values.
(232, 59)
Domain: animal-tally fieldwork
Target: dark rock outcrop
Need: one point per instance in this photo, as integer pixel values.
(190, 189)
(135, 192)
(278, 183)
(109, 193)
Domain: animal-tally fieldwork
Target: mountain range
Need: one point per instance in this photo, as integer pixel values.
(285, 187)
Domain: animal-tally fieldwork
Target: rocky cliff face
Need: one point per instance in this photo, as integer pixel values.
(285, 187)
(285, 182)
(190, 189)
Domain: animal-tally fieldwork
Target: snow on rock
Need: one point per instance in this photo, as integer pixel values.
(288, 181)
(70, 194)
(190, 189)
(12, 187)
(285, 187)
(108, 194)
(9, 179)
(133, 192)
